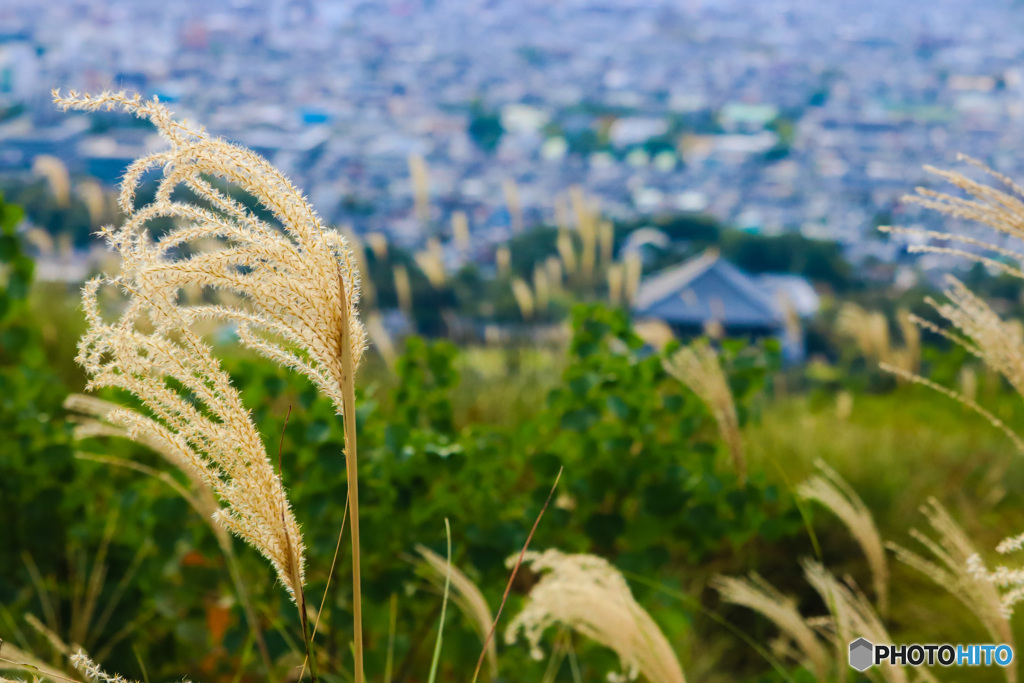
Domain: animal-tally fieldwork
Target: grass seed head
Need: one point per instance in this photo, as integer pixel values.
(587, 594)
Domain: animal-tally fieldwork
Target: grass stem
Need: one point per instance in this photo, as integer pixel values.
(348, 396)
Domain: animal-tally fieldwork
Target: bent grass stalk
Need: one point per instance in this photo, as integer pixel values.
(512, 577)
(466, 595)
(831, 491)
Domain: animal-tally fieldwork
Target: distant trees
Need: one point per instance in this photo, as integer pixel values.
(817, 260)
(485, 127)
(38, 202)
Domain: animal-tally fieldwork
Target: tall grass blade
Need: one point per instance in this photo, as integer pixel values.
(512, 577)
(444, 608)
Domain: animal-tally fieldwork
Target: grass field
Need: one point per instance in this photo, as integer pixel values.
(202, 519)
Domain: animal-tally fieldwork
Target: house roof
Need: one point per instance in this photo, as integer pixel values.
(707, 288)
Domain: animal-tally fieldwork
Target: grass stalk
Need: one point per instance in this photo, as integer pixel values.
(327, 588)
(307, 637)
(348, 395)
(512, 577)
(436, 659)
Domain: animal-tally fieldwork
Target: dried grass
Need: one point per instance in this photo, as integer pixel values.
(587, 594)
(697, 366)
(955, 567)
(760, 596)
(832, 491)
(294, 290)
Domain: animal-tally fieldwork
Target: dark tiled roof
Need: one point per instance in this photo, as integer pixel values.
(707, 288)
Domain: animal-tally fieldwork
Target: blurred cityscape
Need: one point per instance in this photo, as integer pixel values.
(771, 116)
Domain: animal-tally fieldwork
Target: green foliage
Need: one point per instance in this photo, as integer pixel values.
(42, 209)
(816, 260)
(485, 128)
(644, 480)
(645, 483)
(640, 453)
(37, 462)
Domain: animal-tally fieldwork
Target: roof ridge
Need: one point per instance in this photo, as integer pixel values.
(674, 280)
(665, 281)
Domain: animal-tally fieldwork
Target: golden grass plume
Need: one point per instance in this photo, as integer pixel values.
(757, 594)
(588, 595)
(466, 595)
(831, 490)
(697, 366)
(295, 290)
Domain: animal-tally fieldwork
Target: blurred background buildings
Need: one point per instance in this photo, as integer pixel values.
(771, 116)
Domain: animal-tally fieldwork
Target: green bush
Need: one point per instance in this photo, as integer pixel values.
(643, 483)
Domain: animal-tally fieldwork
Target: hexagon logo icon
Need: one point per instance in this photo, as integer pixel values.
(862, 654)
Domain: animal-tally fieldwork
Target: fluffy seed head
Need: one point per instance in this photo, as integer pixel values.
(996, 206)
(288, 285)
(832, 491)
(851, 617)
(292, 285)
(697, 367)
(585, 593)
(760, 596)
(954, 565)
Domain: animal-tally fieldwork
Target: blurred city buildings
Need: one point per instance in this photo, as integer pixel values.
(770, 115)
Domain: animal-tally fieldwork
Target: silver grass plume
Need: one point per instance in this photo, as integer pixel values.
(956, 566)
(998, 206)
(698, 367)
(588, 595)
(832, 491)
(851, 617)
(972, 322)
(297, 285)
(291, 288)
(203, 424)
(757, 594)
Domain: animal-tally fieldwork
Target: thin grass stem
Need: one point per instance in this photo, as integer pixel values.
(436, 659)
(348, 394)
(512, 578)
